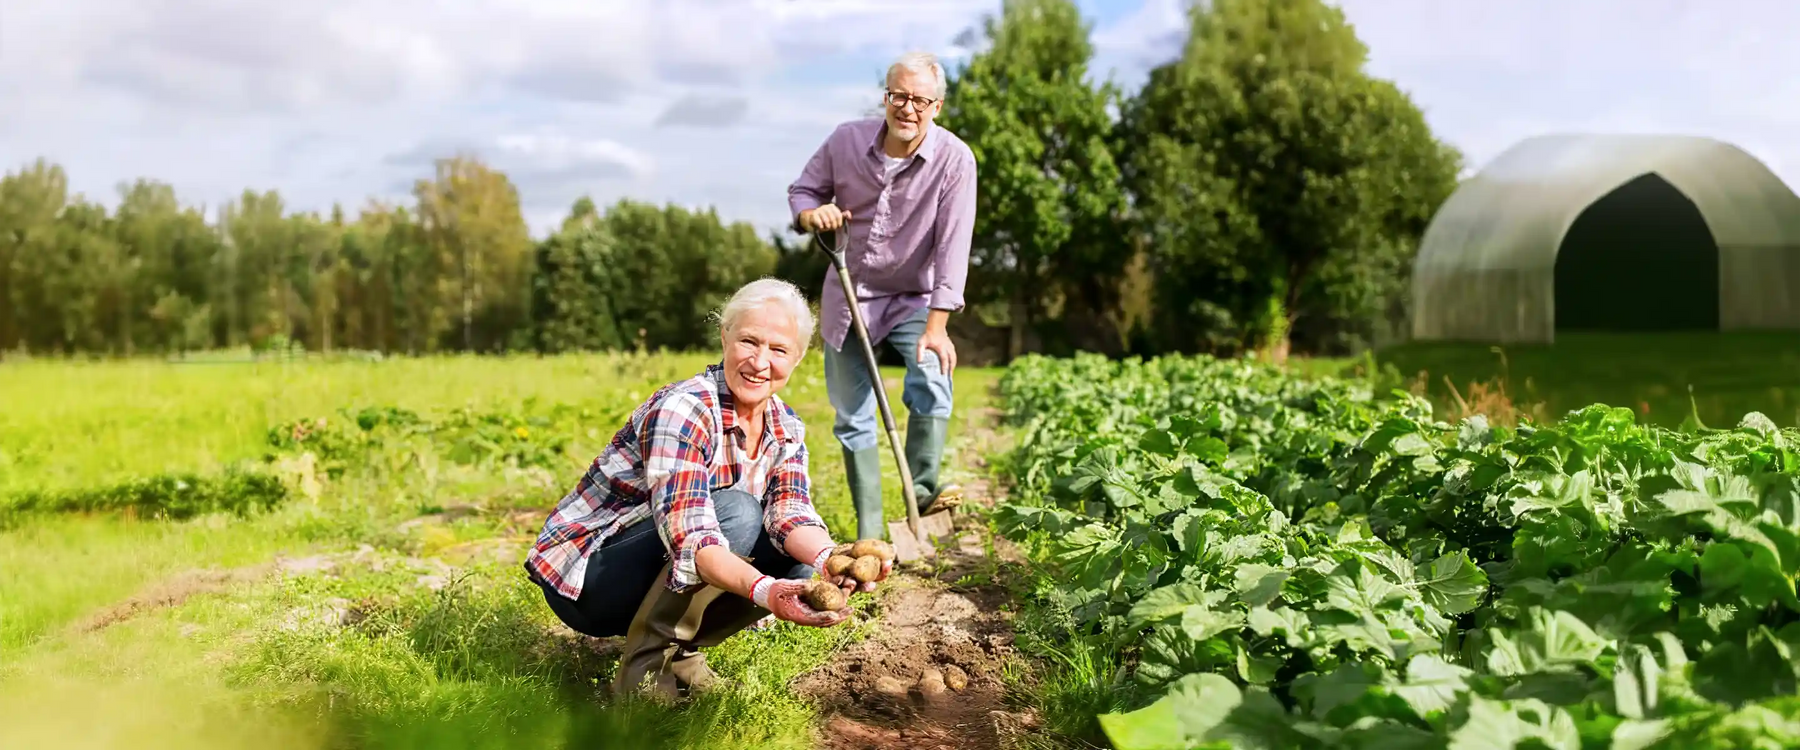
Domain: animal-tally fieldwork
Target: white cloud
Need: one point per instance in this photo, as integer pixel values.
(707, 111)
(558, 152)
(1489, 74)
(1148, 36)
(340, 100)
(720, 102)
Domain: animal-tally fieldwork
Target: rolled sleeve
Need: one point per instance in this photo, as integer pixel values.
(956, 211)
(677, 449)
(789, 505)
(814, 186)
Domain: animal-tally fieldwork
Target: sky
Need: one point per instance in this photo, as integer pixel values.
(718, 103)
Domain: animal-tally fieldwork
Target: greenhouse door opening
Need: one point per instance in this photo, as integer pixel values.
(1639, 259)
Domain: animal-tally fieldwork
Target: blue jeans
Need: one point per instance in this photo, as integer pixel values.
(925, 390)
(624, 569)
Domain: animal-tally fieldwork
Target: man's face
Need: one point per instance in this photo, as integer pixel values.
(910, 118)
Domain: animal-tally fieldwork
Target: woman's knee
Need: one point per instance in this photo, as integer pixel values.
(740, 518)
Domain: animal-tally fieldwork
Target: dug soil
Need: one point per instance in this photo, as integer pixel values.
(941, 617)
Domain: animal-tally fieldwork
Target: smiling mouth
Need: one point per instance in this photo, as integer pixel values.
(753, 379)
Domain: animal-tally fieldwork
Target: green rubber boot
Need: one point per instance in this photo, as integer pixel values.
(863, 470)
(925, 456)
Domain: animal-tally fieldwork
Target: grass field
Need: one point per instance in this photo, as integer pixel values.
(382, 607)
(1730, 374)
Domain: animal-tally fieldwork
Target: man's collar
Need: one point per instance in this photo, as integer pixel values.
(927, 149)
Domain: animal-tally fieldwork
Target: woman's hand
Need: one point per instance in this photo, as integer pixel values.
(782, 597)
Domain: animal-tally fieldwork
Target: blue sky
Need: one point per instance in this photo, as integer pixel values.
(719, 102)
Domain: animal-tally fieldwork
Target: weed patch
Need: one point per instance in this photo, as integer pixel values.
(175, 496)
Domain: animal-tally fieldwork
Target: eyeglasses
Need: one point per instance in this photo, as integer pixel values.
(898, 100)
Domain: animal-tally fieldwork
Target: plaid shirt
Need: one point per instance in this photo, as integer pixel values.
(664, 465)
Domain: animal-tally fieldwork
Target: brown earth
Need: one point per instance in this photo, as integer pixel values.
(171, 592)
(935, 616)
(872, 694)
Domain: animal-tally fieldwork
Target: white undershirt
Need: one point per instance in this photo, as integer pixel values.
(892, 165)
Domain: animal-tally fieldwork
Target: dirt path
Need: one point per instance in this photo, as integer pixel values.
(936, 623)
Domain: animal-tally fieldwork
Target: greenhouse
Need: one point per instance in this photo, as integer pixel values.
(1610, 233)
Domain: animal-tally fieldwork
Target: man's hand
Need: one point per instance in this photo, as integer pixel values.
(937, 340)
(826, 218)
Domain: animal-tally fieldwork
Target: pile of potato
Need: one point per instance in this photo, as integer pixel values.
(862, 559)
(931, 685)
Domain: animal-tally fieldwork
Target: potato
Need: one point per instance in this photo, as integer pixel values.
(931, 684)
(956, 678)
(889, 686)
(875, 547)
(866, 568)
(837, 564)
(824, 597)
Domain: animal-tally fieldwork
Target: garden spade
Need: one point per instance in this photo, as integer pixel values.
(911, 538)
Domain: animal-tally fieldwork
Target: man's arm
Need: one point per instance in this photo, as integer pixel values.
(956, 232)
(814, 186)
(950, 262)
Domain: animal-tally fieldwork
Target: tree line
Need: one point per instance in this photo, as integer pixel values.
(1260, 192)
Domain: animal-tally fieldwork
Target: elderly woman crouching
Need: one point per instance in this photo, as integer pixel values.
(697, 520)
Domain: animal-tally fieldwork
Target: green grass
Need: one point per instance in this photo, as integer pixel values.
(1730, 373)
(79, 424)
(480, 663)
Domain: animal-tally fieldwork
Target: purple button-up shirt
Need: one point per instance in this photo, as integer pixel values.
(908, 244)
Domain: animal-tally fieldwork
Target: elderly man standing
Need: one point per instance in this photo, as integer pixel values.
(904, 191)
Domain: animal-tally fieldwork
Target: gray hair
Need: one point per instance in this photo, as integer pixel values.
(922, 63)
(765, 291)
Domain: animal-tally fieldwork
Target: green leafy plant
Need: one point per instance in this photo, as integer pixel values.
(1286, 562)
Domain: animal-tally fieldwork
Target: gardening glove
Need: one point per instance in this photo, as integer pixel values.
(781, 596)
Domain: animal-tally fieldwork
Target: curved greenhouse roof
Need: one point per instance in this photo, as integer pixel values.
(1610, 232)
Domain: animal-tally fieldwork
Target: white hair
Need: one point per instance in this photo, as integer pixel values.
(922, 63)
(762, 292)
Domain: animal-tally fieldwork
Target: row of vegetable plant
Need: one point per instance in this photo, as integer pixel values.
(1300, 562)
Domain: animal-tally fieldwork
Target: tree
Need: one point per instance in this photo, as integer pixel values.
(799, 262)
(1278, 184)
(573, 287)
(1050, 192)
(639, 275)
(168, 249)
(30, 202)
(258, 243)
(471, 218)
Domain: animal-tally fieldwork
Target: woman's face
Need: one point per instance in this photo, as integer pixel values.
(760, 354)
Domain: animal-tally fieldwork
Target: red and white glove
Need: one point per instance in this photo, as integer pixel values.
(781, 596)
